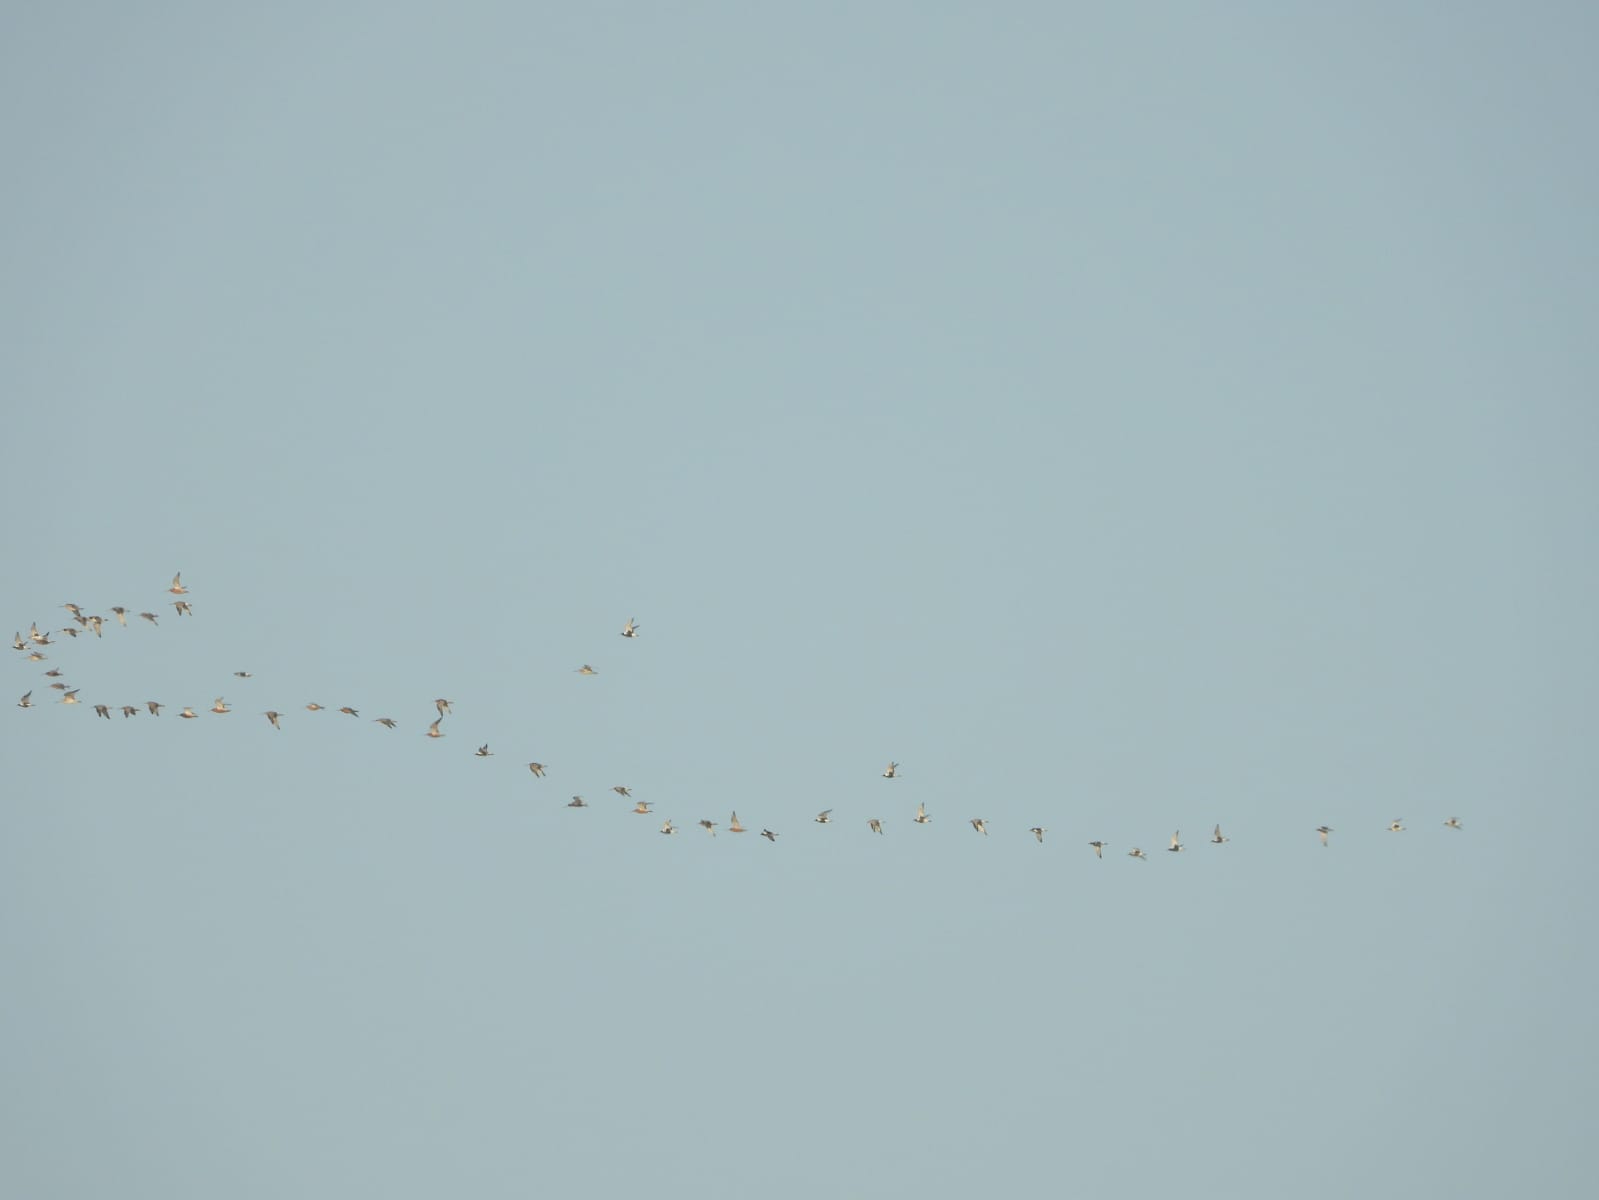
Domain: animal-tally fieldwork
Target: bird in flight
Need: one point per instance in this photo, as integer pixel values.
(630, 630)
(155, 707)
(891, 771)
(443, 706)
(625, 793)
(734, 826)
(824, 817)
(585, 669)
(185, 609)
(177, 588)
(26, 701)
(244, 675)
(1217, 838)
(483, 751)
(96, 623)
(71, 697)
(1099, 849)
(921, 817)
(102, 710)
(188, 714)
(709, 827)
(980, 825)
(1323, 831)
(875, 825)
(272, 715)
(129, 710)
(220, 706)
(578, 802)
(1135, 852)
(641, 806)
(386, 722)
(433, 730)
(769, 835)
(537, 769)
(1175, 844)
(668, 827)
(1453, 823)
(314, 707)
(348, 711)
(121, 615)
(150, 617)
(1038, 832)
(1396, 825)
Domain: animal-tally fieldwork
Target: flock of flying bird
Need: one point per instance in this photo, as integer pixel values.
(31, 646)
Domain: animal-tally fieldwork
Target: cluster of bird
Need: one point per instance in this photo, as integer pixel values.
(30, 644)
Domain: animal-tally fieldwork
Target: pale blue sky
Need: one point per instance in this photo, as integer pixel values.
(1126, 418)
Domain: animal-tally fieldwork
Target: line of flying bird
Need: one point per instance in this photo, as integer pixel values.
(30, 644)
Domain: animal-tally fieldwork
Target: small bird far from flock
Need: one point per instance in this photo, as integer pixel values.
(980, 825)
(891, 771)
(921, 817)
(630, 630)
(585, 669)
(578, 802)
(1175, 844)
(875, 825)
(537, 769)
(483, 751)
(1038, 832)
(824, 817)
(1217, 837)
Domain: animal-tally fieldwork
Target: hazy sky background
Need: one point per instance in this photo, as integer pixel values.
(1126, 418)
